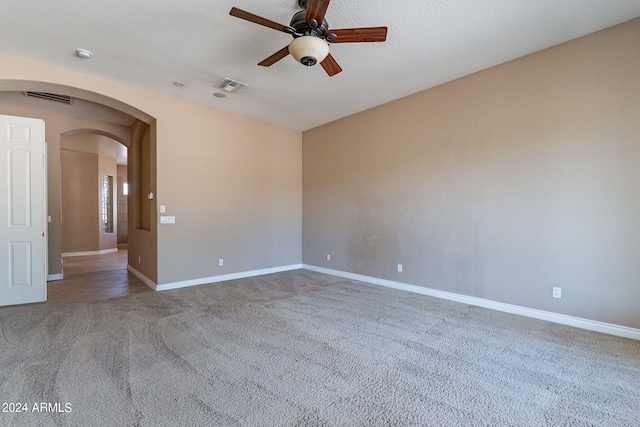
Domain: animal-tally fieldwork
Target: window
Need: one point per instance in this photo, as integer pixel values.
(106, 211)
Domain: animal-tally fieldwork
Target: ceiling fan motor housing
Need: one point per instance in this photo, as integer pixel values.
(299, 22)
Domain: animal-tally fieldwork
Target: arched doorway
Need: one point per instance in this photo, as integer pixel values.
(138, 137)
(94, 179)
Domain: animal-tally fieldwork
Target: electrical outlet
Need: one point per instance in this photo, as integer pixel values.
(557, 292)
(221, 262)
(399, 268)
(328, 257)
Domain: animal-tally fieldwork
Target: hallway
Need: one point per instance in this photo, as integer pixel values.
(93, 278)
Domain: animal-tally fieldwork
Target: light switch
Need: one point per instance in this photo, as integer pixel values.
(167, 219)
(163, 209)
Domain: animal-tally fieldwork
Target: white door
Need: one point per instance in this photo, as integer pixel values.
(22, 211)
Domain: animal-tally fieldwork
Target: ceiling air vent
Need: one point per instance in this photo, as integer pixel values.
(64, 99)
(230, 85)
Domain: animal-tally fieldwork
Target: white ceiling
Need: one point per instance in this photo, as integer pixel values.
(152, 43)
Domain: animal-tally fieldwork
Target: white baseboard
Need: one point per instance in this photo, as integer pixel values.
(150, 283)
(592, 325)
(54, 277)
(224, 277)
(85, 253)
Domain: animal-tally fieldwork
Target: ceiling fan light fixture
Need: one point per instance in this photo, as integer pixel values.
(309, 50)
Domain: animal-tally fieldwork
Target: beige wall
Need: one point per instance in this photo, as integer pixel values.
(80, 197)
(500, 185)
(233, 184)
(235, 188)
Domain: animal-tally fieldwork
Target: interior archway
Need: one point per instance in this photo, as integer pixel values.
(94, 210)
(57, 129)
(124, 141)
(97, 98)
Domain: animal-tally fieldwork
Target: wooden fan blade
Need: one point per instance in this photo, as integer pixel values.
(248, 16)
(275, 57)
(359, 35)
(316, 9)
(331, 66)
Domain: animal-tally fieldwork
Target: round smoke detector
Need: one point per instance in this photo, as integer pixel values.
(83, 53)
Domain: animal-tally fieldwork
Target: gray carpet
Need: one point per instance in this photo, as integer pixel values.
(306, 349)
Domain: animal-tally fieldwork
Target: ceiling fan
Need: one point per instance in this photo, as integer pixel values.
(311, 35)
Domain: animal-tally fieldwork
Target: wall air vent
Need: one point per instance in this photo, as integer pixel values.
(64, 99)
(230, 85)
